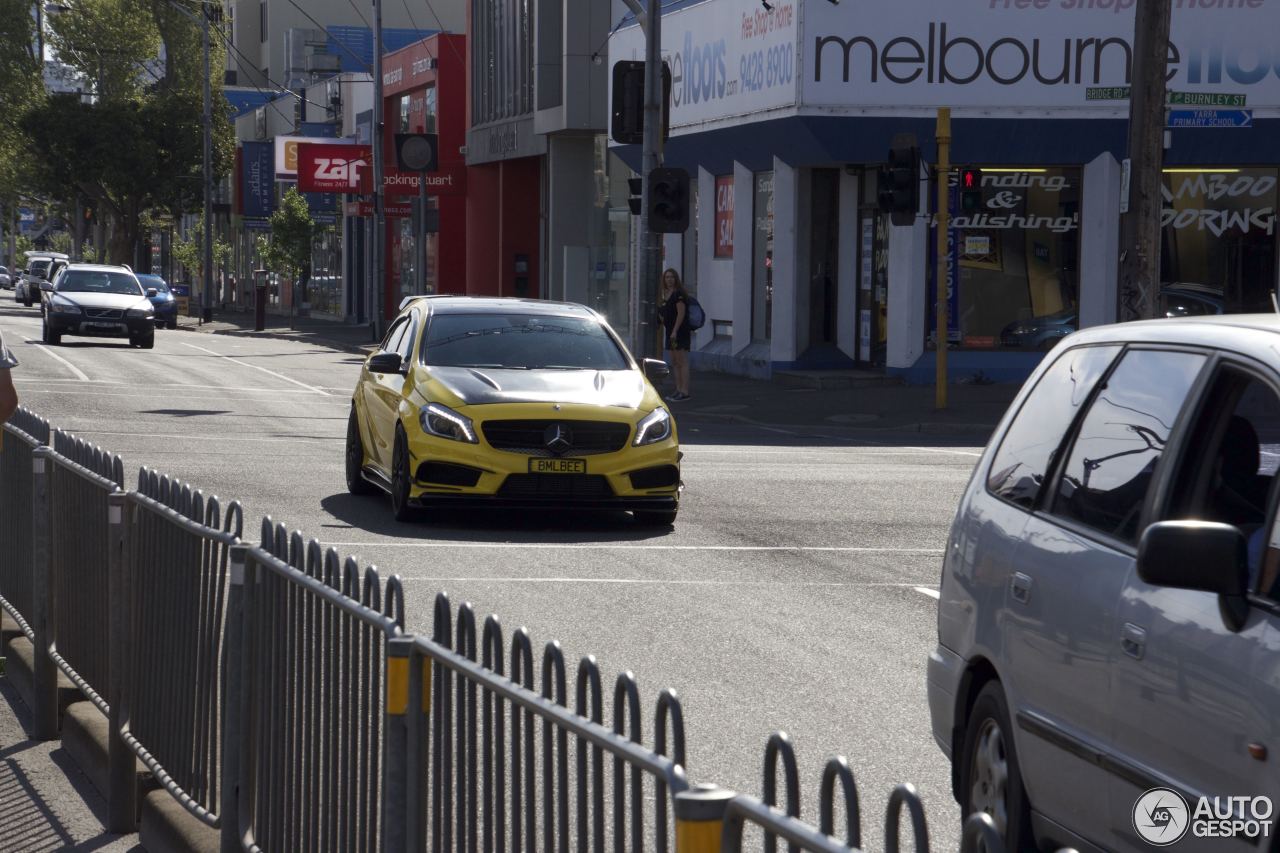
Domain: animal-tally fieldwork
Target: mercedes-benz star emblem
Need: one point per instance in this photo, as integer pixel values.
(558, 439)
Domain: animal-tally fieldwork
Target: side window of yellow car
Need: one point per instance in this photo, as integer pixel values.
(395, 335)
(405, 347)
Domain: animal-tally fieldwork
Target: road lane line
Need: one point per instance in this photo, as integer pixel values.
(932, 593)
(661, 582)
(625, 546)
(290, 380)
(315, 438)
(77, 371)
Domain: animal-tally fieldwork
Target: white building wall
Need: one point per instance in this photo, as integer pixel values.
(715, 275)
(908, 288)
(743, 186)
(787, 309)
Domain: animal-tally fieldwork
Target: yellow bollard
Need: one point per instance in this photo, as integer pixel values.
(700, 815)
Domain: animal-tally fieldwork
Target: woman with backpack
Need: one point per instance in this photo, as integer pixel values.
(674, 313)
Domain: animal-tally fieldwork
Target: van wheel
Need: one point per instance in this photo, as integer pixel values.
(990, 780)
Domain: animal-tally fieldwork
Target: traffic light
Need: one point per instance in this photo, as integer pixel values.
(627, 121)
(668, 201)
(899, 185)
(971, 189)
(636, 186)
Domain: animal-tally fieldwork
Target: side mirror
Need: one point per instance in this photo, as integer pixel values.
(655, 369)
(152, 292)
(1199, 555)
(47, 287)
(385, 362)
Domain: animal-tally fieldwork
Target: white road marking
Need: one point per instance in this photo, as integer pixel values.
(626, 546)
(77, 371)
(37, 380)
(932, 593)
(661, 582)
(211, 437)
(288, 379)
(168, 397)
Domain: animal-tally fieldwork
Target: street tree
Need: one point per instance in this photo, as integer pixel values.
(20, 88)
(293, 231)
(190, 251)
(137, 146)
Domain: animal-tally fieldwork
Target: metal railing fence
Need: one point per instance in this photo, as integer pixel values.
(19, 437)
(81, 478)
(448, 704)
(311, 724)
(172, 594)
(272, 692)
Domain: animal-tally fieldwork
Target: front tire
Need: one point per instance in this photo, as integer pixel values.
(50, 336)
(991, 780)
(26, 299)
(171, 324)
(356, 483)
(401, 479)
(147, 341)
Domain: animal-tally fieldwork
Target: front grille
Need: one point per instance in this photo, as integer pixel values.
(556, 486)
(585, 438)
(103, 313)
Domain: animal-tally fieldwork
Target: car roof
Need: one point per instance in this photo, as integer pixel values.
(445, 304)
(1255, 335)
(99, 268)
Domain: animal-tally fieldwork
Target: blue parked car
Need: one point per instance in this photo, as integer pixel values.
(166, 307)
(1178, 299)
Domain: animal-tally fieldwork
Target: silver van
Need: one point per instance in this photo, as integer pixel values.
(1107, 674)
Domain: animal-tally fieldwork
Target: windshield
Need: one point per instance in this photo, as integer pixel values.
(520, 341)
(39, 267)
(99, 281)
(154, 281)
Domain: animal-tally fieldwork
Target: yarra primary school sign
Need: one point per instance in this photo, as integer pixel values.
(991, 55)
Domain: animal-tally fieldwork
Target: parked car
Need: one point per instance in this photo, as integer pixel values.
(1109, 614)
(40, 268)
(475, 403)
(1178, 299)
(95, 300)
(165, 305)
(6, 280)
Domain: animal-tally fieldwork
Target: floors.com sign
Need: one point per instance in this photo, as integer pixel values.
(1027, 53)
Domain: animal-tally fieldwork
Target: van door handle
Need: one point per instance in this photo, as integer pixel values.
(1133, 640)
(1020, 587)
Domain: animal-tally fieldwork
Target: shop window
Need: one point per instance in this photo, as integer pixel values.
(762, 257)
(1218, 246)
(1014, 264)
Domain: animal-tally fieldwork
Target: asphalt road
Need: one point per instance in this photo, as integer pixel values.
(793, 593)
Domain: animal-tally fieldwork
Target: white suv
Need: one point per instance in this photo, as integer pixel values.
(1109, 622)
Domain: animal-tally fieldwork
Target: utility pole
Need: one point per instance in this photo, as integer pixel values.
(1140, 226)
(206, 313)
(944, 254)
(379, 208)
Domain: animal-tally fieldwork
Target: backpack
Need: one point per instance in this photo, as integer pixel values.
(695, 317)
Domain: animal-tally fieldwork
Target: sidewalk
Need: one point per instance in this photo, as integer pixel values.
(859, 401)
(46, 803)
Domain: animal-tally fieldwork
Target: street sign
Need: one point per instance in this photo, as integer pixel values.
(1107, 93)
(1206, 99)
(1209, 118)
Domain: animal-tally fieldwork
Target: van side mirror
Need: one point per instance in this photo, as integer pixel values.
(1199, 555)
(152, 293)
(46, 286)
(385, 362)
(655, 369)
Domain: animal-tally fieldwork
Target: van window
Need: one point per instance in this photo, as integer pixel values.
(1026, 453)
(1121, 439)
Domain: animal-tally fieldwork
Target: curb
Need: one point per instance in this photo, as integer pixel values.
(927, 428)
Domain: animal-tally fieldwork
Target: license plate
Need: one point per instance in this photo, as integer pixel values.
(557, 466)
(105, 327)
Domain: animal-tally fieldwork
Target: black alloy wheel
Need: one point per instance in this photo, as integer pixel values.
(356, 483)
(991, 780)
(50, 336)
(401, 478)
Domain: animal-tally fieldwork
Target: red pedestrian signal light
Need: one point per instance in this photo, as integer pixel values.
(971, 189)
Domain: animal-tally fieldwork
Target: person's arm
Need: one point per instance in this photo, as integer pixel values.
(680, 311)
(8, 395)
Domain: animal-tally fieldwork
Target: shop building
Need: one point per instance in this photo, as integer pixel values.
(546, 210)
(784, 115)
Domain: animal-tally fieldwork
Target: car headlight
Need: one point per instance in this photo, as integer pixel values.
(146, 311)
(444, 422)
(655, 427)
(61, 306)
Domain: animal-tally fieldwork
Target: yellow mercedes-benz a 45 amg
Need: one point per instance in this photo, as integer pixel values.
(512, 403)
